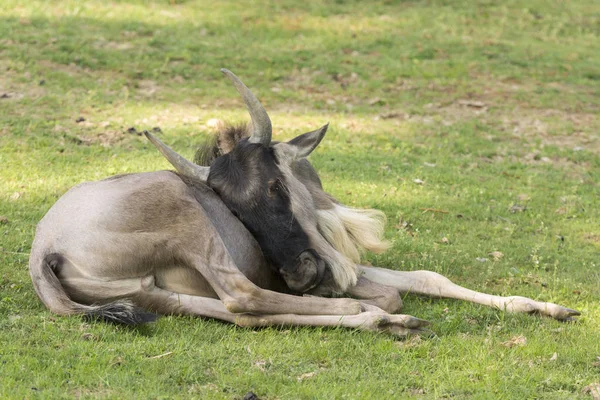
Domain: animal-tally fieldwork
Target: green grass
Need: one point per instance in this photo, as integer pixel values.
(491, 104)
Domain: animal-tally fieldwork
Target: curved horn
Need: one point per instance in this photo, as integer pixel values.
(261, 123)
(183, 166)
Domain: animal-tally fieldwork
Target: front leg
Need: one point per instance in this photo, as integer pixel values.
(208, 255)
(433, 284)
(374, 319)
(240, 295)
(382, 296)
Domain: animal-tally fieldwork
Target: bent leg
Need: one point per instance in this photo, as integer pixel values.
(176, 303)
(208, 254)
(382, 296)
(240, 295)
(433, 284)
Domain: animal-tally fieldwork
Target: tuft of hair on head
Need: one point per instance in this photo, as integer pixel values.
(353, 231)
(221, 142)
(121, 312)
(207, 151)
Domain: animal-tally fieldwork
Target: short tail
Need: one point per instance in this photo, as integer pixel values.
(53, 295)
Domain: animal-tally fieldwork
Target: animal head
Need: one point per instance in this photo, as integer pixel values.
(274, 191)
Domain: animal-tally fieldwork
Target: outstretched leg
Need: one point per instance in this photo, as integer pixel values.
(375, 319)
(433, 284)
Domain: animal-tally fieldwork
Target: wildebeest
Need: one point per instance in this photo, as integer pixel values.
(251, 238)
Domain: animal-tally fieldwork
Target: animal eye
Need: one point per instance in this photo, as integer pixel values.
(274, 187)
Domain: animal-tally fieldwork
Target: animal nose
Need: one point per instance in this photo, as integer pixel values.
(305, 272)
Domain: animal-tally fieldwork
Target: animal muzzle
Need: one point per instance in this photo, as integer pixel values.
(305, 272)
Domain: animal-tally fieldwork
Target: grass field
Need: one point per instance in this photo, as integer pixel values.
(473, 124)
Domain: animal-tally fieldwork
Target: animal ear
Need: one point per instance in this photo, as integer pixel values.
(301, 146)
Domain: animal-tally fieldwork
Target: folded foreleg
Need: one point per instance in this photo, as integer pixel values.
(374, 319)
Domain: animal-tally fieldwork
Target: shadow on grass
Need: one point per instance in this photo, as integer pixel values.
(185, 53)
(81, 47)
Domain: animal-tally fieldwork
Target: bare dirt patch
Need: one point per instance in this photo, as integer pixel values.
(592, 238)
(106, 138)
(575, 131)
(147, 87)
(498, 103)
(69, 69)
(11, 89)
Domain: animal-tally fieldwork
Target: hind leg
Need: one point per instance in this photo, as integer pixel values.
(433, 284)
(94, 291)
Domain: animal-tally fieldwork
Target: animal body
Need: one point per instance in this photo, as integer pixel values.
(250, 238)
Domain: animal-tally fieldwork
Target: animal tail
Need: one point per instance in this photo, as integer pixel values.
(42, 269)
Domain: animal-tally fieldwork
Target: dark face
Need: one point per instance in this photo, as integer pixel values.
(249, 182)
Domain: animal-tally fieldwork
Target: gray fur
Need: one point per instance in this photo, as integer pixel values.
(165, 243)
